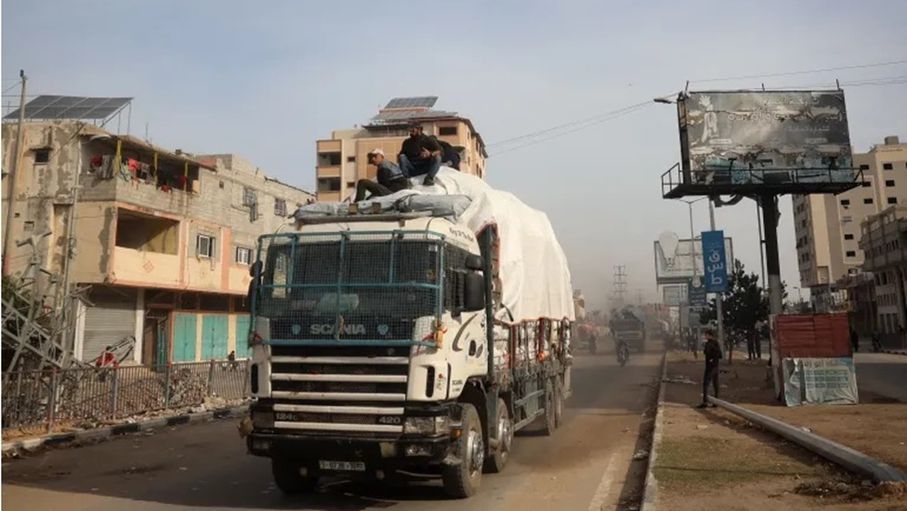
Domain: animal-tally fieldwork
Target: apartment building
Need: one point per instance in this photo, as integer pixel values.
(342, 159)
(162, 239)
(884, 243)
(828, 227)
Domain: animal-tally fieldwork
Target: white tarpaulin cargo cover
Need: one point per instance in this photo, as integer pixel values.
(534, 272)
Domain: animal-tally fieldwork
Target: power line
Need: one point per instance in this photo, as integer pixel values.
(535, 141)
(802, 72)
(565, 125)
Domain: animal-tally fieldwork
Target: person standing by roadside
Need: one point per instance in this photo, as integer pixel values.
(712, 352)
(854, 340)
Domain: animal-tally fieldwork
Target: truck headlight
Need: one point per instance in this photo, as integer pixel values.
(262, 420)
(427, 425)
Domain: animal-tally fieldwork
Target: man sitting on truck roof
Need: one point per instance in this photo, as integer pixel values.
(420, 155)
(390, 178)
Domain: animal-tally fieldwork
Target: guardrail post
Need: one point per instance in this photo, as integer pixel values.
(52, 401)
(167, 386)
(115, 385)
(210, 377)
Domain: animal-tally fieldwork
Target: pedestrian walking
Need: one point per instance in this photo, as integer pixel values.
(712, 352)
(854, 340)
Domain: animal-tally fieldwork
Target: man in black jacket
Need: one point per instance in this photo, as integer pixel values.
(420, 155)
(712, 351)
(390, 178)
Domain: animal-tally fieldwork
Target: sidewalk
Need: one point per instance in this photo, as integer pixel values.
(713, 459)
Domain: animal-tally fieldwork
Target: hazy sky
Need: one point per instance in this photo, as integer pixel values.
(266, 80)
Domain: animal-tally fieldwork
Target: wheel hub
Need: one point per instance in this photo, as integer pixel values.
(475, 451)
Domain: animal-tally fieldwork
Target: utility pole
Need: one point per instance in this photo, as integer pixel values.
(719, 299)
(761, 240)
(13, 172)
(619, 285)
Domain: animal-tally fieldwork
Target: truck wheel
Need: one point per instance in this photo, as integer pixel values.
(550, 409)
(289, 480)
(504, 433)
(463, 479)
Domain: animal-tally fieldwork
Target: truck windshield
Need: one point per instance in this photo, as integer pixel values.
(364, 288)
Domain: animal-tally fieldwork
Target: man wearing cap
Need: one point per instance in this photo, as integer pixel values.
(390, 178)
(420, 155)
(712, 352)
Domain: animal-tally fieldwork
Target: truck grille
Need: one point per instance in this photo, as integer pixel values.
(354, 390)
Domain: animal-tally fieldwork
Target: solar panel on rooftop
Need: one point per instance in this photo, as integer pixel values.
(70, 107)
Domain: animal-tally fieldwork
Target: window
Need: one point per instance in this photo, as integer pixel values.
(867, 184)
(42, 155)
(248, 196)
(845, 202)
(851, 253)
(328, 159)
(848, 236)
(350, 159)
(447, 130)
(892, 200)
(280, 207)
(867, 200)
(243, 255)
(329, 184)
(221, 185)
(889, 182)
(864, 167)
(887, 166)
(204, 245)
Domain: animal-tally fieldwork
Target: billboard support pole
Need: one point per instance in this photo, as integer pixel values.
(719, 299)
(773, 267)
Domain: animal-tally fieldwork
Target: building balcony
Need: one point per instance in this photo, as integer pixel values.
(144, 268)
(328, 171)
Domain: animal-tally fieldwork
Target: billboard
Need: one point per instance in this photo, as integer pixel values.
(677, 267)
(765, 137)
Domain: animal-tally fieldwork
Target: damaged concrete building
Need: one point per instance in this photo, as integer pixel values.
(163, 239)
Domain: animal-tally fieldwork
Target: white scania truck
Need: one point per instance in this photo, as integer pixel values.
(414, 336)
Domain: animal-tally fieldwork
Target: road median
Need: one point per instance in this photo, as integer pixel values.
(716, 457)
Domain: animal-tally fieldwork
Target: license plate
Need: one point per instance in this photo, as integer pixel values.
(346, 466)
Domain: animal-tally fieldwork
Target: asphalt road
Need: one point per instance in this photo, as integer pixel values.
(883, 374)
(586, 465)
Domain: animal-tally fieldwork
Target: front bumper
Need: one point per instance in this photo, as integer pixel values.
(376, 451)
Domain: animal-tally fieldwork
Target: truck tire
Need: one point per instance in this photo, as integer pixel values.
(463, 479)
(498, 457)
(289, 480)
(550, 408)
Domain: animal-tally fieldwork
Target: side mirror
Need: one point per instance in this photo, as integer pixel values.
(255, 269)
(474, 299)
(475, 263)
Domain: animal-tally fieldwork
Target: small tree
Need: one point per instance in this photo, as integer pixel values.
(745, 303)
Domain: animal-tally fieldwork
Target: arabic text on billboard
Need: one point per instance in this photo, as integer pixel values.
(757, 137)
(716, 270)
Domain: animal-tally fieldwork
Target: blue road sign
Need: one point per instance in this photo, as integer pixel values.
(714, 260)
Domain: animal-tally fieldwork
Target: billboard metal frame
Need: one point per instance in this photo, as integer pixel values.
(749, 176)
